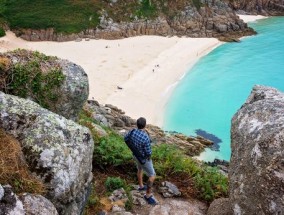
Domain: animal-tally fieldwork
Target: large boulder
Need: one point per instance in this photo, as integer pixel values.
(220, 206)
(256, 169)
(57, 150)
(66, 99)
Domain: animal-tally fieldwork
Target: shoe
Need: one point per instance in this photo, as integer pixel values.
(142, 188)
(150, 200)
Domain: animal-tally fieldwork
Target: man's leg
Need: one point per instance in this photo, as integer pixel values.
(140, 178)
(149, 186)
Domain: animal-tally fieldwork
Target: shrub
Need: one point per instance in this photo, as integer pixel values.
(32, 77)
(2, 32)
(111, 150)
(113, 183)
(197, 4)
(169, 160)
(147, 9)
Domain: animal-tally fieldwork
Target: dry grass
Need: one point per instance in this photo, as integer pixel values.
(13, 168)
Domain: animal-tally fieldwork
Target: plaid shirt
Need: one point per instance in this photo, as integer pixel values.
(142, 141)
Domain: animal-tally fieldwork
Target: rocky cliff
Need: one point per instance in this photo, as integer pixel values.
(263, 7)
(256, 172)
(202, 18)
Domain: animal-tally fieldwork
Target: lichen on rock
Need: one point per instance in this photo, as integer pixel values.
(256, 169)
(57, 150)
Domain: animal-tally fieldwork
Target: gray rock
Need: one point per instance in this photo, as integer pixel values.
(57, 150)
(37, 204)
(74, 91)
(138, 197)
(118, 194)
(10, 203)
(101, 119)
(121, 213)
(221, 28)
(220, 207)
(99, 130)
(256, 169)
(178, 207)
(1, 192)
(168, 189)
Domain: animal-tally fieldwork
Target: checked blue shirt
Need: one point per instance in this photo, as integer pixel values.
(142, 141)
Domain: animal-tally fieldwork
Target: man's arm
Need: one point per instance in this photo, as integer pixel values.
(147, 148)
(127, 135)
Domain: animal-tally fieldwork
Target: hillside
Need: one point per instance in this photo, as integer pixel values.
(68, 20)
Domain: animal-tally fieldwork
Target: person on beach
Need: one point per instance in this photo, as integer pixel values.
(140, 138)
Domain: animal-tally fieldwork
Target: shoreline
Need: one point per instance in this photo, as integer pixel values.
(149, 91)
(137, 74)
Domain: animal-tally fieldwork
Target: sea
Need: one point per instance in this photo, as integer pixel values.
(205, 100)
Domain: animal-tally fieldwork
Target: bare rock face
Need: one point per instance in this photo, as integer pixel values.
(264, 7)
(256, 171)
(58, 150)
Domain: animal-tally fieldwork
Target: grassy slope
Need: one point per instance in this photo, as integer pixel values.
(64, 15)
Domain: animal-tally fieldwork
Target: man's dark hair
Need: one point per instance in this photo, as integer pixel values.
(141, 123)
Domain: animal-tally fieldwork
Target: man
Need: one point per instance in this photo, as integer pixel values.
(141, 140)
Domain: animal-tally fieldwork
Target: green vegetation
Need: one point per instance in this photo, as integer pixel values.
(197, 3)
(110, 150)
(2, 32)
(65, 16)
(114, 183)
(30, 78)
(169, 160)
(147, 9)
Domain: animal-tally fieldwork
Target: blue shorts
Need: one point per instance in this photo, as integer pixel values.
(148, 167)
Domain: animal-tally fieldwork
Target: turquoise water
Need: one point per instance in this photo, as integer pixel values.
(216, 87)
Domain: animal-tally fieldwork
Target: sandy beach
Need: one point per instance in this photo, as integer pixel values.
(135, 74)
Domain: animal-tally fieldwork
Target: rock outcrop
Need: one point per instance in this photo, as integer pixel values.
(220, 206)
(168, 189)
(256, 172)
(26, 204)
(263, 7)
(58, 150)
(73, 92)
(206, 19)
(116, 119)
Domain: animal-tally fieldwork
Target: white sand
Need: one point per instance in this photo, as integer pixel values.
(130, 64)
(251, 18)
